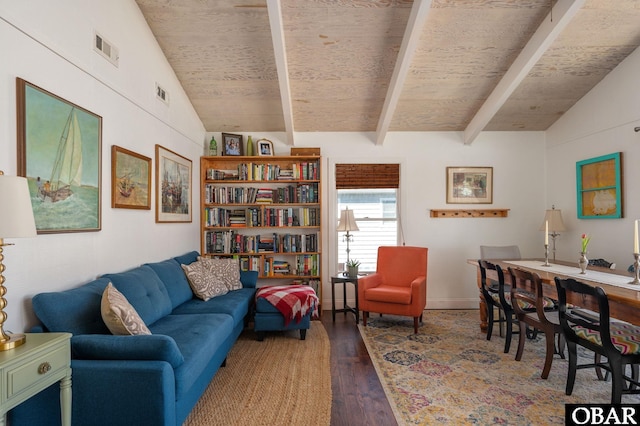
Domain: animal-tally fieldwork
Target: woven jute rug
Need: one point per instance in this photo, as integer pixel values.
(280, 381)
(450, 374)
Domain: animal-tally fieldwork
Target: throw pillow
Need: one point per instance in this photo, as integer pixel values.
(119, 316)
(204, 285)
(227, 269)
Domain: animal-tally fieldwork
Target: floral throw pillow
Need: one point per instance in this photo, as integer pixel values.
(119, 316)
(228, 270)
(204, 284)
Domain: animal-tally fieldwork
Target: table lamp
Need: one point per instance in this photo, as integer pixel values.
(553, 218)
(347, 224)
(16, 221)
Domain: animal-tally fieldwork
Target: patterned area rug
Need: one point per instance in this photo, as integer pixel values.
(449, 373)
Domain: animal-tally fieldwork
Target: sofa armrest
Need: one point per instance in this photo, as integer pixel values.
(249, 279)
(369, 281)
(154, 347)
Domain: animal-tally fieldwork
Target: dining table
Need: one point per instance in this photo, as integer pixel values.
(624, 297)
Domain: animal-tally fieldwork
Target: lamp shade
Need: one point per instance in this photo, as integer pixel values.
(347, 221)
(554, 218)
(16, 213)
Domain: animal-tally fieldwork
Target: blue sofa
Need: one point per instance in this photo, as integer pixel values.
(139, 380)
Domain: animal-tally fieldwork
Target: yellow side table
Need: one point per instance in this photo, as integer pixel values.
(45, 358)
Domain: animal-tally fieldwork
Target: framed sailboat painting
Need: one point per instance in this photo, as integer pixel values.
(130, 179)
(173, 186)
(59, 152)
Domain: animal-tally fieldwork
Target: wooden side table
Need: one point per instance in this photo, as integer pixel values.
(344, 280)
(45, 358)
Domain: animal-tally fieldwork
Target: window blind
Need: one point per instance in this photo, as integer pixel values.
(358, 176)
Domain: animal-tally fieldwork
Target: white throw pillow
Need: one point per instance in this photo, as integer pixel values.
(117, 313)
(227, 269)
(204, 284)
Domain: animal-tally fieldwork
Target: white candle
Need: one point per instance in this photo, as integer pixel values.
(546, 232)
(635, 237)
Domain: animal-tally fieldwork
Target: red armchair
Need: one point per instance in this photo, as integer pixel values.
(399, 285)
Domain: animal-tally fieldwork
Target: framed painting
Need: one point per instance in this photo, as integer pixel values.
(469, 185)
(130, 179)
(599, 187)
(173, 187)
(232, 144)
(59, 152)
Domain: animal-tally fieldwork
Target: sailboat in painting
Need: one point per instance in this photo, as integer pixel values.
(67, 168)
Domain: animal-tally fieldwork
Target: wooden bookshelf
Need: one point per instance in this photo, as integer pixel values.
(265, 211)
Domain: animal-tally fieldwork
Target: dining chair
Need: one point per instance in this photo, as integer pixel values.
(497, 295)
(533, 309)
(587, 323)
(601, 263)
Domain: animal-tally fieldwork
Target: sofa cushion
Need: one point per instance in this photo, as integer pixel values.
(118, 314)
(235, 303)
(204, 284)
(174, 279)
(187, 258)
(75, 311)
(198, 337)
(227, 269)
(145, 291)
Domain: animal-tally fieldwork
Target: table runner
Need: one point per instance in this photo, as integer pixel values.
(574, 272)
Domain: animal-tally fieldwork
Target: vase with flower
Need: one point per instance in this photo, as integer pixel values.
(584, 262)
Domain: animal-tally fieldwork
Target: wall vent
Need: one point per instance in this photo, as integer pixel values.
(106, 49)
(162, 94)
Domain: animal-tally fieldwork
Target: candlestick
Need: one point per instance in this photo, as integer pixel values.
(546, 255)
(546, 232)
(636, 267)
(635, 237)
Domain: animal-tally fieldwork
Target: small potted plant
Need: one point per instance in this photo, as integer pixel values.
(352, 268)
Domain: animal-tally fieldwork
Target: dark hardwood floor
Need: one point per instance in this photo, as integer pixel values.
(358, 397)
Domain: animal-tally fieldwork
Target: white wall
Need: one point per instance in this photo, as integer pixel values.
(36, 47)
(517, 159)
(600, 123)
(49, 44)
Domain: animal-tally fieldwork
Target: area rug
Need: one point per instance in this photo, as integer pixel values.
(280, 381)
(450, 374)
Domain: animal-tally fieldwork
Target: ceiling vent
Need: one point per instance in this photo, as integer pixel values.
(106, 49)
(162, 94)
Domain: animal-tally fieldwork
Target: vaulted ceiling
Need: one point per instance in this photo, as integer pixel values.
(390, 65)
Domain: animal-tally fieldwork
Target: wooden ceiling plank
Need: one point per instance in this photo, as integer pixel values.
(413, 31)
(274, 10)
(563, 12)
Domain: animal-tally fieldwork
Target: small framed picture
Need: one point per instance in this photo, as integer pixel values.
(265, 147)
(469, 185)
(130, 179)
(232, 144)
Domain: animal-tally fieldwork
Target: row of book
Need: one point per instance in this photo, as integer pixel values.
(233, 242)
(261, 217)
(304, 266)
(307, 170)
(303, 193)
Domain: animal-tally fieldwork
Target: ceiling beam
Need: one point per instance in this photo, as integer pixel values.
(547, 32)
(412, 33)
(274, 11)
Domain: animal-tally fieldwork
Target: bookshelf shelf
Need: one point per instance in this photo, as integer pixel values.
(266, 211)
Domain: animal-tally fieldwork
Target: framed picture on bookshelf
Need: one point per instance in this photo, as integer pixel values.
(232, 144)
(265, 148)
(599, 186)
(59, 152)
(173, 187)
(469, 185)
(130, 179)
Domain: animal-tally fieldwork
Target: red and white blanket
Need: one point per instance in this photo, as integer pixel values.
(293, 301)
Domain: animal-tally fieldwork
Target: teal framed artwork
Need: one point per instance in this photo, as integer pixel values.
(599, 187)
(59, 152)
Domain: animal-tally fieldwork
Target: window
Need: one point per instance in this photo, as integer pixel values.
(376, 214)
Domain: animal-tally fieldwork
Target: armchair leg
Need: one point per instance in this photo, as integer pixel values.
(415, 325)
(365, 315)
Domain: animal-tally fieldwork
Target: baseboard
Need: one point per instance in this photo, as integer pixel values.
(472, 303)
